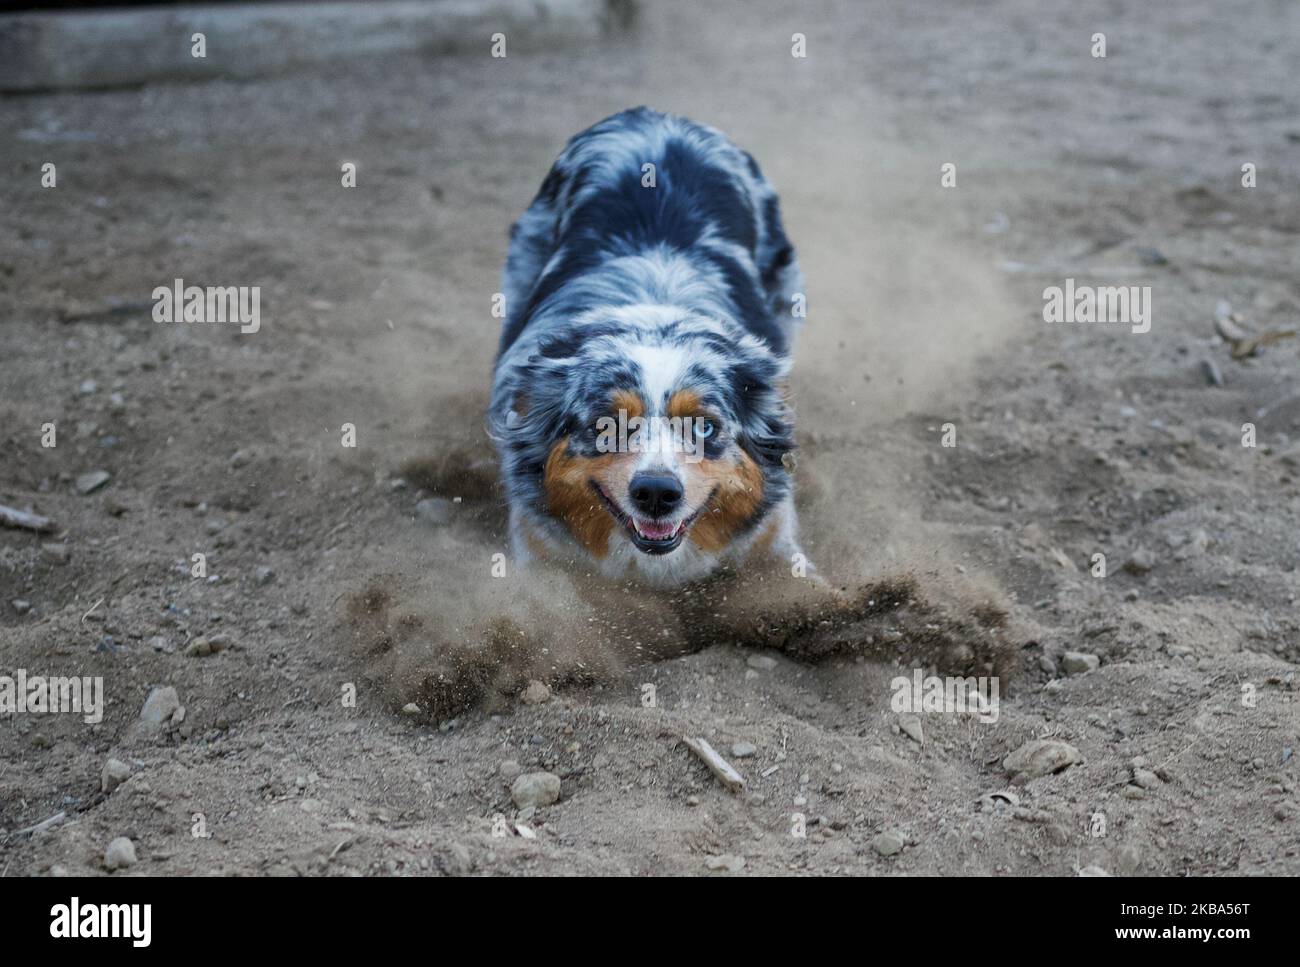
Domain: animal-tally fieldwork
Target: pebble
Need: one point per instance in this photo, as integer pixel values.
(744, 750)
(161, 704)
(88, 483)
(264, 575)
(509, 770)
(1140, 562)
(21, 606)
(1040, 757)
(888, 843)
(762, 663)
(161, 643)
(1079, 662)
(240, 458)
(120, 854)
(536, 693)
(1212, 373)
(114, 773)
(1093, 871)
(57, 554)
(911, 724)
(199, 647)
(1145, 778)
(410, 708)
(535, 789)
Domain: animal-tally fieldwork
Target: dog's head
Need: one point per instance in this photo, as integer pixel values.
(644, 434)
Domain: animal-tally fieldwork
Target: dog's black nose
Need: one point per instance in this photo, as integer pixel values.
(655, 494)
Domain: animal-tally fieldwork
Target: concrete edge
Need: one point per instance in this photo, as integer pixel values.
(76, 50)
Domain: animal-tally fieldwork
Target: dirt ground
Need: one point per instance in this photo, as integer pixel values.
(925, 309)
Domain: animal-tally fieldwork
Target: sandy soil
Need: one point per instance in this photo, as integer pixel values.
(925, 309)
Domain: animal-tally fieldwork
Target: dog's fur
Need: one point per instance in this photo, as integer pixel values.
(671, 300)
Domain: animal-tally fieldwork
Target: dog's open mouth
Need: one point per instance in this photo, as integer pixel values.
(649, 536)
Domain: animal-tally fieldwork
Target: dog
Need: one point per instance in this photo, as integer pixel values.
(639, 403)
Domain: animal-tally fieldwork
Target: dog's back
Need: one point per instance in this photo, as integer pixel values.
(632, 195)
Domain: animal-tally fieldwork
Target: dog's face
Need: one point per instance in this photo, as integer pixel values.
(658, 441)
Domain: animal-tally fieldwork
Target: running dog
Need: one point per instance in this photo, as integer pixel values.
(639, 403)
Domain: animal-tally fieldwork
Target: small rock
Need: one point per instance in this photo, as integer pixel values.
(120, 854)
(1041, 757)
(88, 483)
(410, 708)
(87, 387)
(114, 773)
(264, 575)
(1079, 662)
(1210, 369)
(509, 770)
(161, 643)
(21, 606)
(744, 750)
(911, 724)
(199, 647)
(535, 789)
(888, 843)
(536, 693)
(240, 458)
(1140, 562)
(762, 663)
(57, 554)
(161, 704)
(1093, 871)
(1145, 778)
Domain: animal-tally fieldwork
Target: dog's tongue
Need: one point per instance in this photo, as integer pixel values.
(655, 531)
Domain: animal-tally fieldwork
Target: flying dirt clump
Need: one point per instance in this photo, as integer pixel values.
(552, 628)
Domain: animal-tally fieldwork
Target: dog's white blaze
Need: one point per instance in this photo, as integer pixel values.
(662, 368)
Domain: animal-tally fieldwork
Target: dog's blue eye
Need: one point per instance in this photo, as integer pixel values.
(704, 429)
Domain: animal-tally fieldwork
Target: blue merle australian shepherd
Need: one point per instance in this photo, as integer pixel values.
(638, 402)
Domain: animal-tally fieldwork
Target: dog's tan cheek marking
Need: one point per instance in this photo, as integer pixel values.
(570, 499)
(739, 491)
